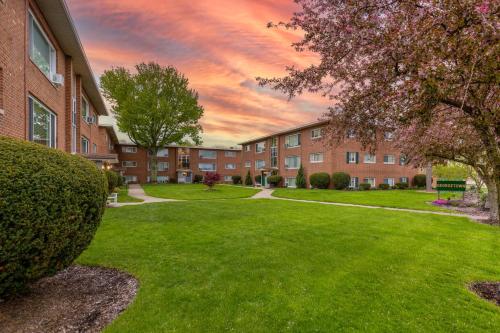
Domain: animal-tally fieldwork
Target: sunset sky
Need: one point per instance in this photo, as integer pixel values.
(220, 45)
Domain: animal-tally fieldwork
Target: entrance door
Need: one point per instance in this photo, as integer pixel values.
(184, 177)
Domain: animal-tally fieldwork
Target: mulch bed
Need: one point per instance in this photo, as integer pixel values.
(487, 290)
(78, 299)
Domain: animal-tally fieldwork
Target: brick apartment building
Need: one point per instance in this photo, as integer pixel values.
(179, 163)
(48, 93)
(286, 150)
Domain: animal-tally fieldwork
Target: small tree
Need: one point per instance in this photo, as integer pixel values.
(210, 179)
(248, 179)
(300, 180)
(154, 107)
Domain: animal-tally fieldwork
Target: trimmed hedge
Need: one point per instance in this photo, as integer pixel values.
(113, 180)
(248, 179)
(320, 180)
(401, 186)
(51, 204)
(419, 180)
(274, 180)
(364, 186)
(341, 180)
(384, 186)
(236, 179)
(197, 179)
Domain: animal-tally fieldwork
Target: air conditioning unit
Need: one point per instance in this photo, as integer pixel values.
(90, 119)
(58, 79)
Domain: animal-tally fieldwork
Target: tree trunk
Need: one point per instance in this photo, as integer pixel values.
(493, 186)
(153, 165)
(428, 178)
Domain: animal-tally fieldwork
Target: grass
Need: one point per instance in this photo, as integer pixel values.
(390, 198)
(124, 197)
(197, 191)
(270, 266)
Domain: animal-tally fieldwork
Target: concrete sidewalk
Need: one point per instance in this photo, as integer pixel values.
(136, 191)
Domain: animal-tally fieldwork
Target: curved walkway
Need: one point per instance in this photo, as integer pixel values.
(267, 194)
(136, 191)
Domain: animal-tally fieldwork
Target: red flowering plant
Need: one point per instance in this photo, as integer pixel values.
(210, 179)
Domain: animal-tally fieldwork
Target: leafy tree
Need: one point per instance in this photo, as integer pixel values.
(425, 70)
(450, 171)
(300, 180)
(248, 179)
(210, 179)
(154, 106)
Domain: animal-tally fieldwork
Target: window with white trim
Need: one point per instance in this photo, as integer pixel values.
(389, 159)
(162, 152)
(208, 154)
(207, 166)
(129, 150)
(402, 159)
(41, 51)
(354, 182)
(370, 159)
(351, 134)
(248, 148)
(248, 164)
(94, 148)
(292, 162)
(131, 179)
(85, 145)
(85, 109)
(371, 181)
(352, 157)
(316, 157)
(274, 152)
(42, 124)
(260, 147)
(230, 166)
(316, 133)
(388, 136)
(292, 141)
(228, 178)
(229, 153)
(403, 180)
(290, 182)
(163, 166)
(129, 164)
(389, 181)
(161, 179)
(260, 164)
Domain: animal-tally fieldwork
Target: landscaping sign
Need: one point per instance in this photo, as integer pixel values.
(451, 186)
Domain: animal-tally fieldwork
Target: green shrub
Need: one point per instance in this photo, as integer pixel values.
(341, 180)
(258, 179)
(419, 180)
(300, 180)
(51, 204)
(248, 179)
(113, 180)
(236, 179)
(197, 179)
(364, 186)
(121, 180)
(320, 180)
(172, 180)
(401, 186)
(274, 180)
(384, 186)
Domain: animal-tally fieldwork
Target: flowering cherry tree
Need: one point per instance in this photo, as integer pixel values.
(210, 179)
(427, 71)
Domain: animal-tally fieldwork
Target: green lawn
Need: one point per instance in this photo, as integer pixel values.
(197, 191)
(124, 197)
(390, 198)
(272, 266)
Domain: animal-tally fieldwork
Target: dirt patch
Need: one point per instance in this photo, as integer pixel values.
(487, 290)
(78, 299)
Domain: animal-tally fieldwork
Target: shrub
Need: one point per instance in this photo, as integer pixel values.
(172, 180)
(113, 180)
(341, 180)
(121, 180)
(210, 179)
(300, 180)
(248, 179)
(274, 180)
(401, 186)
(364, 186)
(320, 180)
(51, 204)
(197, 179)
(419, 180)
(384, 186)
(236, 179)
(258, 179)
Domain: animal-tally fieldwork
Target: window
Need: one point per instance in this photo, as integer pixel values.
(230, 154)
(228, 178)
(162, 166)
(183, 162)
(85, 109)
(130, 150)
(370, 181)
(274, 152)
(85, 145)
(316, 158)
(94, 148)
(402, 160)
(73, 126)
(43, 123)
(131, 179)
(162, 152)
(208, 154)
(260, 147)
(41, 51)
(292, 162)
(290, 182)
(162, 179)
(352, 157)
(403, 180)
(351, 134)
(369, 158)
(389, 159)
(260, 164)
(316, 133)
(248, 164)
(354, 182)
(129, 164)
(389, 181)
(292, 140)
(230, 166)
(248, 148)
(388, 136)
(206, 166)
